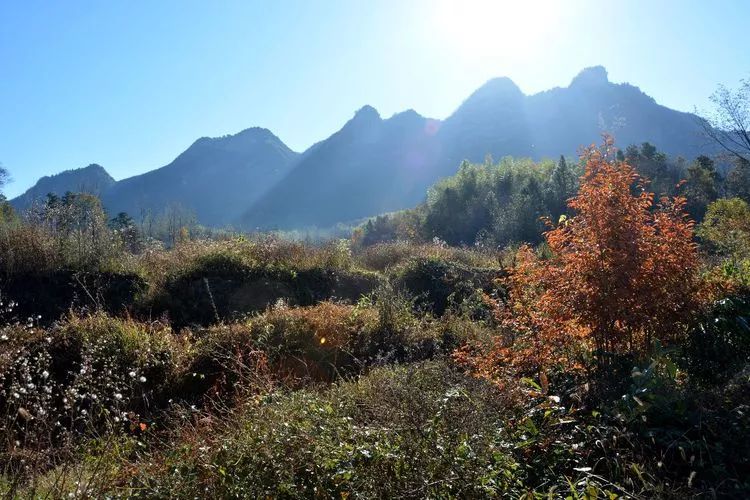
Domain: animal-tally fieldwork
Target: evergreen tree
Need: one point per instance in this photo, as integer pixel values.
(702, 186)
(738, 180)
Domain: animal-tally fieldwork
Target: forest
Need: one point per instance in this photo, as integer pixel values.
(575, 328)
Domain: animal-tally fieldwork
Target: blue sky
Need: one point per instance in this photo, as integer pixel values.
(131, 84)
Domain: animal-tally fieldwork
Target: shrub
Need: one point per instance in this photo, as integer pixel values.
(406, 431)
(385, 256)
(86, 375)
(619, 274)
(718, 344)
(439, 284)
(296, 346)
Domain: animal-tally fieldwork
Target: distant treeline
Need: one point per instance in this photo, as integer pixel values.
(509, 201)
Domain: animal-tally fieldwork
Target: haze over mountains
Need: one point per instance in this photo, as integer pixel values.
(374, 165)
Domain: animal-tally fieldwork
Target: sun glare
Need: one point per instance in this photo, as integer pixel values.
(500, 29)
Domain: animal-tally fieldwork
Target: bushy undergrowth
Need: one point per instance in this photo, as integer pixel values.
(94, 374)
(89, 408)
(439, 285)
(322, 343)
(427, 430)
(204, 282)
(718, 346)
(282, 369)
(81, 378)
(382, 256)
(417, 431)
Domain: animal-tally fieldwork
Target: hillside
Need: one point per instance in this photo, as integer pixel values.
(370, 166)
(374, 165)
(215, 177)
(92, 179)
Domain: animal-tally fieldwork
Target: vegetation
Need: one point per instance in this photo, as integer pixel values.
(502, 204)
(728, 124)
(587, 344)
(614, 276)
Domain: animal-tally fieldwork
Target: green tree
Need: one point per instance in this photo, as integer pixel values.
(123, 226)
(4, 177)
(121, 221)
(738, 180)
(702, 186)
(726, 228)
(6, 211)
(663, 174)
(562, 185)
(77, 224)
(648, 151)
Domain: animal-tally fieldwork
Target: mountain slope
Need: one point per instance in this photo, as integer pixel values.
(218, 178)
(370, 166)
(499, 120)
(592, 105)
(491, 121)
(92, 179)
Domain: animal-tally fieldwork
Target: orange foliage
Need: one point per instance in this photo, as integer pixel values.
(622, 273)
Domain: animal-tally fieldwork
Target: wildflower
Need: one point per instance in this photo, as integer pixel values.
(132, 374)
(142, 379)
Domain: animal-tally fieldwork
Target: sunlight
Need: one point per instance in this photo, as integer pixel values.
(482, 29)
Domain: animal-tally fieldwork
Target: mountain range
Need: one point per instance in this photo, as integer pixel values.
(373, 165)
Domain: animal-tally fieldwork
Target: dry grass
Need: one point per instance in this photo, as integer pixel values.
(385, 256)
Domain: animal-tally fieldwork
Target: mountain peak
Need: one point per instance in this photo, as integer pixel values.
(94, 167)
(592, 76)
(498, 86)
(249, 134)
(406, 116)
(91, 171)
(260, 132)
(497, 91)
(241, 142)
(366, 118)
(367, 112)
(91, 179)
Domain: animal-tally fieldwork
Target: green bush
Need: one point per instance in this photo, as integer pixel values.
(416, 431)
(718, 346)
(439, 285)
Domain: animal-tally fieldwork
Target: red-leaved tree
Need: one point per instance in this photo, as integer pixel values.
(620, 273)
